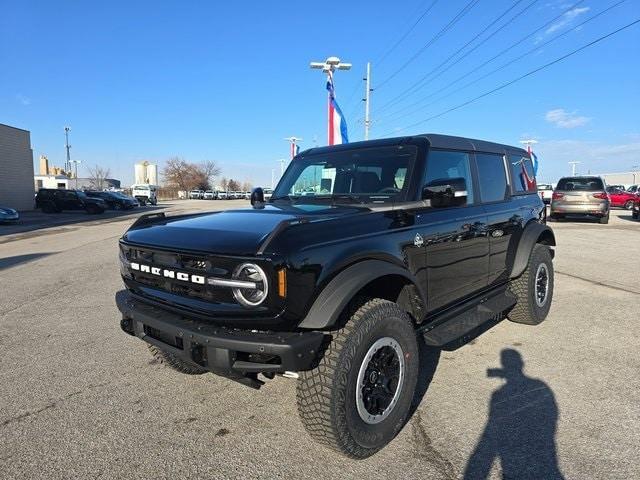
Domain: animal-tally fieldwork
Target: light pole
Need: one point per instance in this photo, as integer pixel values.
(329, 66)
(573, 167)
(67, 165)
(292, 141)
(282, 162)
(367, 101)
(634, 168)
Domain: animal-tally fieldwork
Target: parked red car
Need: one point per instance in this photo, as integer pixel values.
(620, 198)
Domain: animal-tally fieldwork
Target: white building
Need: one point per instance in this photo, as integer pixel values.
(52, 181)
(622, 178)
(146, 172)
(16, 168)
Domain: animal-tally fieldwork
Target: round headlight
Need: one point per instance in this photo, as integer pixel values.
(251, 297)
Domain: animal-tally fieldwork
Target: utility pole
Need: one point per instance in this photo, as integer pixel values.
(292, 141)
(329, 66)
(76, 162)
(67, 165)
(573, 167)
(367, 101)
(282, 162)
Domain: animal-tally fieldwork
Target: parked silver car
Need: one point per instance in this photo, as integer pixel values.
(580, 196)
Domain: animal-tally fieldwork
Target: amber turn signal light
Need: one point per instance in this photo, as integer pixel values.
(282, 283)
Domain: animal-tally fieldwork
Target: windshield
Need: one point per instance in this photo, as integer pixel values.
(366, 175)
(587, 184)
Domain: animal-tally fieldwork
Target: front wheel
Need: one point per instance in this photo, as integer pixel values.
(534, 288)
(358, 397)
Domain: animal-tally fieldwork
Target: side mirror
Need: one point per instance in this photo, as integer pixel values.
(446, 192)
(257, 198)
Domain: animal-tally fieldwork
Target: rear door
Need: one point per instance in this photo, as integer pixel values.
(455, 239)
(503, 216)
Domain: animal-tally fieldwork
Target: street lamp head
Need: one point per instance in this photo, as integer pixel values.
(318, 65)
(333, 61)
(344, 66)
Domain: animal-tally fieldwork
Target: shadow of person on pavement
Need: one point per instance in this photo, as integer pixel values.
(521, 428)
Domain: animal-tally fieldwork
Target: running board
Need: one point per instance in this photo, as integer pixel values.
(459, 325)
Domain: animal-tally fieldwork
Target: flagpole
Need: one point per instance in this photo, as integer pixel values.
(329, 66)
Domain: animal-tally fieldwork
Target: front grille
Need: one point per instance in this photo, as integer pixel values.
(221, 267)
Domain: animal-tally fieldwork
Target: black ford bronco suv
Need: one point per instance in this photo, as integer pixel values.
(363, 251)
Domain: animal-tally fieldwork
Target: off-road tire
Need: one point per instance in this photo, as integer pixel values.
(176, 363)
(527, 311)
(634, 215)
(604, 220)
(326, 395)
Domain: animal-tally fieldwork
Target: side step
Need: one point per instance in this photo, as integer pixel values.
(457, 326)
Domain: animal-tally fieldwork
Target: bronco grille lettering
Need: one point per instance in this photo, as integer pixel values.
(163, 272)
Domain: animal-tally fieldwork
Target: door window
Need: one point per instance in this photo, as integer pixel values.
(522, 176)
(492, 177)
(444, 164)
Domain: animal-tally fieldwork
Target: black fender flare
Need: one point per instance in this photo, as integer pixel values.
(335, 296)
(531, 235)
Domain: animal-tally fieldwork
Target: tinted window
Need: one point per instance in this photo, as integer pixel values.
(587, 184)
(442, 164)
(364, 174)
(522, 175)
(492, 177)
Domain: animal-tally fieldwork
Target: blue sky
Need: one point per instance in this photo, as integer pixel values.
(227, 81)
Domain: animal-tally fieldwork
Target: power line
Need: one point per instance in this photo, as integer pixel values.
(503, 66)
(521, 77)
(386, 54)
(416, 86)
(499, 54)
(406, 34)
(435, 38)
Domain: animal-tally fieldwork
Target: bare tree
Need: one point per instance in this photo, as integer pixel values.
(246, 186)
(224, 183)
(98, 177)
(233, 185)
(210, 170)
(186, 176)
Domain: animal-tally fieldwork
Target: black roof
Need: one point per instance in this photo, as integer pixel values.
(435, 140)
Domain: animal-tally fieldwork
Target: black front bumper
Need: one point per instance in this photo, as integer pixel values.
(236, 354)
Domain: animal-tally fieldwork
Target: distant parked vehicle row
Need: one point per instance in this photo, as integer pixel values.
(218, 195)
(51, 200)
(115, 200)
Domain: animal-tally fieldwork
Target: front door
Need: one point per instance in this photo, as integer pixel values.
(455, 238)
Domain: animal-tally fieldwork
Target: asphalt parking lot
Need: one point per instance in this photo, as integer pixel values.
(80, 399)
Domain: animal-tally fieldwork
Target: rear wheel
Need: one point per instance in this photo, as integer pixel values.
(176, 363)
(604, 220)
(628, 205)
(534, 288)
(358, 397)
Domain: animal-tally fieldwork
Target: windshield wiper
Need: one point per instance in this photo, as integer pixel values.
(284, 197)
(346, 196)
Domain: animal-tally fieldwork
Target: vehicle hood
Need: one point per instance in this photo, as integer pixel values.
(230, 232)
